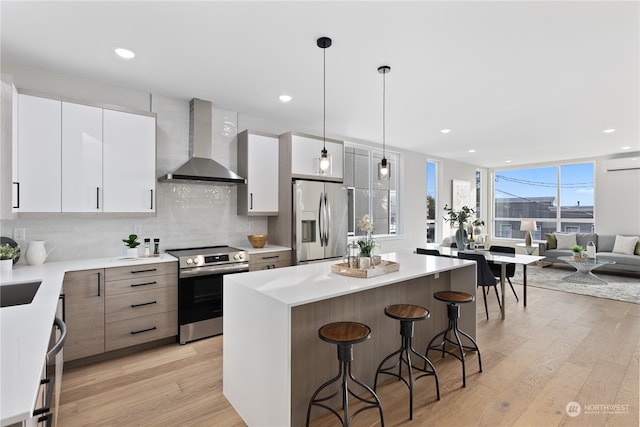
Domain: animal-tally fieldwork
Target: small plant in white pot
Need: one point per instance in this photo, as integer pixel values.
(132, 243)
(7, 254)
(577, 251)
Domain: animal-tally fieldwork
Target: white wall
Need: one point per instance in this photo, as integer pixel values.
(617, 200)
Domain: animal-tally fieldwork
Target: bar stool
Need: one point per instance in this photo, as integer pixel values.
(453, 300)
(345, 335)
(407, 314)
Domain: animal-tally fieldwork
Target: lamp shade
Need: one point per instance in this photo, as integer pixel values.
(528, 225)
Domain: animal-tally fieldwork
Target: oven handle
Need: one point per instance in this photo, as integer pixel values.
(207, 271)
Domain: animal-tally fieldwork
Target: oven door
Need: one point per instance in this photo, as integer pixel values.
(200, 299)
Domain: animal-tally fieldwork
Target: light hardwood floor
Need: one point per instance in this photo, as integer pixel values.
(562, 348)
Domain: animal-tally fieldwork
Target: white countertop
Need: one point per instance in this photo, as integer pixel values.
(25, 330)
(303, 284)
(267, 248)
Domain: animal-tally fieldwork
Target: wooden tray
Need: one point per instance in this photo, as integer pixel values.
(383, 268)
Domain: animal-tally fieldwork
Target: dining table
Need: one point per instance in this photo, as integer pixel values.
(498, 258)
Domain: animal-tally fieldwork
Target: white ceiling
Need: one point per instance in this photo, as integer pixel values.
(522, 81)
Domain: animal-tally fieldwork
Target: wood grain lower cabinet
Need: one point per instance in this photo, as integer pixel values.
(141, 304)
(269, 260)
(84, 317)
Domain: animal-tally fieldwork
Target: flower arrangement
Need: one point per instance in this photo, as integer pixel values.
(478, 222)
(459, 217)
(9, 252)
(366, 243)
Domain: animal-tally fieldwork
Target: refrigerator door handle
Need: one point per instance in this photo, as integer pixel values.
(327, 208)
(320, 218)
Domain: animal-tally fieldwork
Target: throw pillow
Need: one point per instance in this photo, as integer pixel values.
(625, 244)
(552, 243)
(637, 251)
(566, 241)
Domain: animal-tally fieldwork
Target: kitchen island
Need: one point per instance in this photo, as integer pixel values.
(273, 359)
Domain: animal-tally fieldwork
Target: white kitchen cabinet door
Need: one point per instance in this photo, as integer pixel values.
(305, 157)
(129, 161)
(39, 148)
(81, 158)
(258, 164)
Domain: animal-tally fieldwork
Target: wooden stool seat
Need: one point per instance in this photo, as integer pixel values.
(407, 312)
(454, 297)
(344, 333)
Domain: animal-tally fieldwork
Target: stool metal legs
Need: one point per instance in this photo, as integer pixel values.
(452, 329)
(404, 356)
(345, 356)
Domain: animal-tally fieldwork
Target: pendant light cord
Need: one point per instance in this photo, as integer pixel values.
(384, 120)
(324, 98)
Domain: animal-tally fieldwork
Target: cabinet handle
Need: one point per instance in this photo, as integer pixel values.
(143, 330)
(17, 195)
(271, 257)
(143, 271)
(143, 284)
(143, 304)
(99, 277)
(151, 199)
(251, 200)
(97, 197)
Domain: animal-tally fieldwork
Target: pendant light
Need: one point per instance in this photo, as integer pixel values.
(325, 162)
(384, 167)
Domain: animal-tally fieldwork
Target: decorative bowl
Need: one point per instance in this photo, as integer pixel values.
(258, 240)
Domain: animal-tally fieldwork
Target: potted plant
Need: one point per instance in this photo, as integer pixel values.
(460, 219)
(477, 226)
(366, 242)
(132, 243)
(7, 254)
(577, 252)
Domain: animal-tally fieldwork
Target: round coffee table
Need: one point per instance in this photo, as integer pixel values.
(584, 266)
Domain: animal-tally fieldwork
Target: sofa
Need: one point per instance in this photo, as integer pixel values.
(626, 256)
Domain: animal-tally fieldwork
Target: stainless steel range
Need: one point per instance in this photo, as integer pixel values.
(200, 276)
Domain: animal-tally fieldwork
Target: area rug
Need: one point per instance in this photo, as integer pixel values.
(618, 287)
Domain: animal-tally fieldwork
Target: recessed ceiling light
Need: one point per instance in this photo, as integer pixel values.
(608, 130)
(626, 147)
(507, 161)
(445, 130)
(124, 53)
(284, 98)
(472, 151)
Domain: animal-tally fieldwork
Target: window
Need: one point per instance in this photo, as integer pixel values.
(558, 198)
(432, 186)
(367, 194)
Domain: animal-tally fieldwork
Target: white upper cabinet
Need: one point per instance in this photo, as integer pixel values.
(129, 159)
(81, 158)
(38, 187)
(305, 158)
(258, 164)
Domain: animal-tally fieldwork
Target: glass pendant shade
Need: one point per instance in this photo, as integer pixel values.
(384, 169)
(325, 162)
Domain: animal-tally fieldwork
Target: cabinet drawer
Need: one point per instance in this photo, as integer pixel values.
(142, 270)
(137, 331)
(269, 265)
(142, 303)
(267, 260)
(142, 284)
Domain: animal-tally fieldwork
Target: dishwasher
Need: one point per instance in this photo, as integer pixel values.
(48, 399)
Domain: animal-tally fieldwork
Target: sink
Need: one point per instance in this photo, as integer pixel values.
(18, 293)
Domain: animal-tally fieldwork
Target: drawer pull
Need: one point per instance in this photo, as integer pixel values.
(271, 257)
(143, 284)
(143, 304)
(143, 271)
(143, 330)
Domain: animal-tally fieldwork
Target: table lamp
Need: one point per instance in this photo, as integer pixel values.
(528, 225)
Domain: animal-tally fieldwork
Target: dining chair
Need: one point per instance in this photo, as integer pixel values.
(484, 276)
(423, 251)
(510, 268)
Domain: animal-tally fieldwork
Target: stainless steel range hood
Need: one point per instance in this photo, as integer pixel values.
(201, 167)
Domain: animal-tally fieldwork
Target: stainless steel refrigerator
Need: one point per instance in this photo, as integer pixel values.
(319, 220)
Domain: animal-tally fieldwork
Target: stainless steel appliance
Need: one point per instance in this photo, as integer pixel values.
(319, 220)
(200, 275)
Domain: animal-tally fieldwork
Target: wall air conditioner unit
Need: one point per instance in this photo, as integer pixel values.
(621, 164)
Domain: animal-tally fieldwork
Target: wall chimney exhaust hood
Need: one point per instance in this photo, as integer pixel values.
(201, 167)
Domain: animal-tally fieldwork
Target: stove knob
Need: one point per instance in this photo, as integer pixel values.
(239, 256)
(189, 261)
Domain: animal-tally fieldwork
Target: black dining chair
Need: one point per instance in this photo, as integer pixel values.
(510, 268)
(423, 251)
(485, 277)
